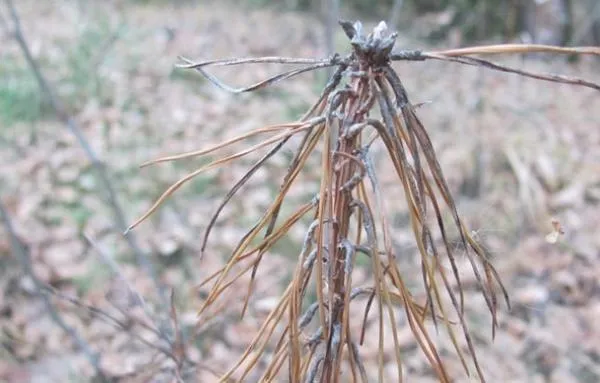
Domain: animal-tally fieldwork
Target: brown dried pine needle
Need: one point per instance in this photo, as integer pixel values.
(349, 218)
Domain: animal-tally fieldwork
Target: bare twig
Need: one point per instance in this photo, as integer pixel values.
(126, 324)
(161, 330)
(174, 351)
(75, 129)
(179, 345)
(21, 252)
(262, 84)
(463, 56)
(114, 267)
(539, 76)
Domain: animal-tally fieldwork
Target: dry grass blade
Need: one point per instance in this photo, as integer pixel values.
(221, 145)
(246, 177)
(516, 48)
(350, 220)
(282, 136)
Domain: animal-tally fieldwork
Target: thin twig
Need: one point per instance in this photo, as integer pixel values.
(21, 252)
(114, 267)
(125, 324)
(259, 85)
(173, 350)
(492, 65)
(75, 129)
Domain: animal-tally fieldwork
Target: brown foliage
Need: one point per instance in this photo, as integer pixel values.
(350, 220)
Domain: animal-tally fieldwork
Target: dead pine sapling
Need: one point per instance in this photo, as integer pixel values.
(312, 341)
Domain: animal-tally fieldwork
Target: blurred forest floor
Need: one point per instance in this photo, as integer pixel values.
(517, 153)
